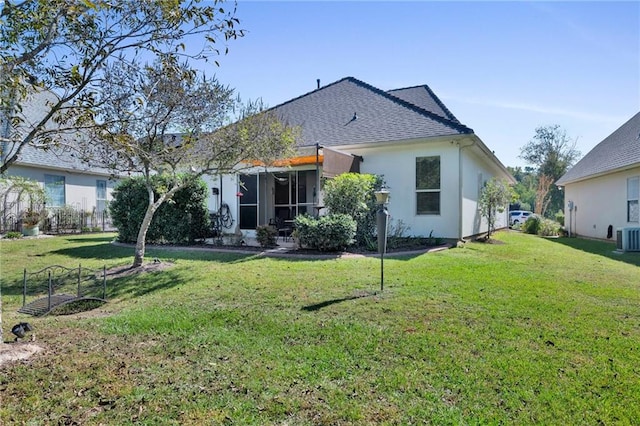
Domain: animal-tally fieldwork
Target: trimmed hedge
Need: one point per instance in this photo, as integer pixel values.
(333, 232)
(182, 219)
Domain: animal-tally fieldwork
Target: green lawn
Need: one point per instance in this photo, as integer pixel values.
(532, 331)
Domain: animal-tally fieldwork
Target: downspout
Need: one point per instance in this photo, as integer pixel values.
(461, 188)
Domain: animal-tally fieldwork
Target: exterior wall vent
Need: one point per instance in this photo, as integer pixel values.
(628, 239)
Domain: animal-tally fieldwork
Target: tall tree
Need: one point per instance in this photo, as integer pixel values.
(56, 50)
(525, 187)
(495, 197)
(552, 152)
(61, 47)
(167, 119)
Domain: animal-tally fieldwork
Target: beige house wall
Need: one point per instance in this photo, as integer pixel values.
(598, 202)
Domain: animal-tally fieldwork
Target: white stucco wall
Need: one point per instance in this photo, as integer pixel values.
(80, 189)
(476, 171)
(398, 166)
(599, 202)
(228, 188)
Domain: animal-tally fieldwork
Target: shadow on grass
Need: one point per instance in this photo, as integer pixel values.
(318, 306)
(104, 250)
(136, 285)
(113, 251)
(114, 255)
(600, 248)
(92, 239)
(128, 287)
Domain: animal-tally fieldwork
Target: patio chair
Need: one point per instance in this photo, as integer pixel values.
(284, 229)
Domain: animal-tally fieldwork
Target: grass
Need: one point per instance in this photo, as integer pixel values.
(543, 331)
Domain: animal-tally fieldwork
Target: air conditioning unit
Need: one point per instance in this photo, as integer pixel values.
(628, 239)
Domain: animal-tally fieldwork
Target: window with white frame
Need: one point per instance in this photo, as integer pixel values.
(101, 195)
(428, 185)
(54, 187)
(633, 195)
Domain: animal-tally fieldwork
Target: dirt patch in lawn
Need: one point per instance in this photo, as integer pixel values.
(17, 351)
(128, 270)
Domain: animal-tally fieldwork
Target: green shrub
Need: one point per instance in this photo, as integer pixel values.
(266, 235)
(541, 226)
(549, 228)
(560, 217)
(85, 229)
(333, 232)
(353, 194)
(184, 218)
(532, 224)
(13, 235)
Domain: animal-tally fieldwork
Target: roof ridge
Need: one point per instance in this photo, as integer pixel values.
(447, 122)
(433, 96)
(309, 93)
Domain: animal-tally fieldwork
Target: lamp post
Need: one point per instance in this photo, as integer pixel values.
(382, 219)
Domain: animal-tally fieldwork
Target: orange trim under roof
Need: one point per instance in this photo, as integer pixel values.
(294, 161)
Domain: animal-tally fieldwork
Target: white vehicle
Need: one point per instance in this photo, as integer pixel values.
(518, 217)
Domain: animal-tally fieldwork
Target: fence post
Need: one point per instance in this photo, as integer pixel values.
(104, 282)
(50, 292)
(24, 287)
(79, 276)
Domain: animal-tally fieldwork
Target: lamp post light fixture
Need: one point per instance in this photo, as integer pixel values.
(382, 221)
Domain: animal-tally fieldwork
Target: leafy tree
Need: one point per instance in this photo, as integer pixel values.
(168, 120)
(552, 153)
(353, 194)
(495, 197)
(524, 189)
(57, 51)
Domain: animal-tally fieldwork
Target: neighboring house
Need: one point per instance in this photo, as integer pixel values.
(602, 190)
(66, 178)
(434, 166)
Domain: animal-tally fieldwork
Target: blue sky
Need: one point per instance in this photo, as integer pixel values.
(503, 68)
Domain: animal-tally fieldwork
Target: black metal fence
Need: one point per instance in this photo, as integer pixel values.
(63, 220)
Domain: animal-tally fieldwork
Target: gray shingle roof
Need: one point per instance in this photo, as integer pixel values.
(346, 112)
(350, 111)
(423, 97)
(35, 108)
(56, 158)
(619, 150)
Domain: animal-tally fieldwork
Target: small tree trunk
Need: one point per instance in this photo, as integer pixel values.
(489, 220)
(1, 337)
(146, 221)
(144, 227)
(542, 194)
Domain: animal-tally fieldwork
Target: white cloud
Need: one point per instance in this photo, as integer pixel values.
(511, 105)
